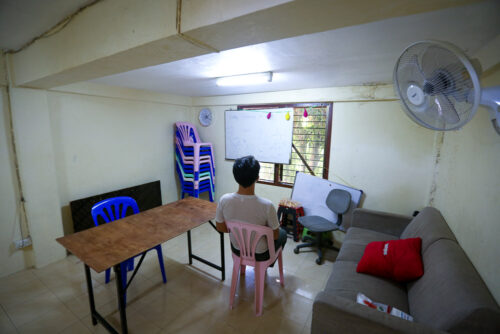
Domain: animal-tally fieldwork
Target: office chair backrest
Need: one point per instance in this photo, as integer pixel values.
(338, 201)
(248, 235)
(113, 208)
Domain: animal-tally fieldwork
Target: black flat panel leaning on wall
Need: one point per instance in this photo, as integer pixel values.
(146, 195)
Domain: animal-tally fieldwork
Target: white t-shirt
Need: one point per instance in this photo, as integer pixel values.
(248, 209)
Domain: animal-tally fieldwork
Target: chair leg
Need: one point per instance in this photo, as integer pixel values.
(260, 276)
(309, 244)
(108, 272)
(318, 243)
(123, 269)
(160, 260)
(130, 264)
(280, 265)
(234, 279)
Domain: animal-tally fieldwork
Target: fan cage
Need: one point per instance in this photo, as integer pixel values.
(453, 62)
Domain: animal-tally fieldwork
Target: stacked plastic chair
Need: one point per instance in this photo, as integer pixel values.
(194, 162)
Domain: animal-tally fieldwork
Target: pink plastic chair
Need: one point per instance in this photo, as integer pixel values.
(186, 132)
(189, 136)
(192, 161)
(247, 237)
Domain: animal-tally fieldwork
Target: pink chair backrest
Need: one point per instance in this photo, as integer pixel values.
(247, 236)
(187, 131)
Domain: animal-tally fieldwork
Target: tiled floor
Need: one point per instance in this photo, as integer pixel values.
(54, 299)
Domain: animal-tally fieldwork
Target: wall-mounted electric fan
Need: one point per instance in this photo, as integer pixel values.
(439, 86)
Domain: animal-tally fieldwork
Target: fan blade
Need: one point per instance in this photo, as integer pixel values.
(410, 72)
(415, 61)
(432, 117)
(446, 109)
(436, 58)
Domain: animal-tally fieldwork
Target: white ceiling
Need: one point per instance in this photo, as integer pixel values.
(356, 55)
(23, 20)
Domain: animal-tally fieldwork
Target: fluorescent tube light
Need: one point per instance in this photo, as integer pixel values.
(245, 79)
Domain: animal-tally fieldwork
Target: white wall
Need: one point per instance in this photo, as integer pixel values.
(377, 148)
(34, 143)
(76, 142)
(468, 191)
(117, 140)
(11, 259)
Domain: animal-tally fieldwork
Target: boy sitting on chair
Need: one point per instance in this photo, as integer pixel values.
(245, 206)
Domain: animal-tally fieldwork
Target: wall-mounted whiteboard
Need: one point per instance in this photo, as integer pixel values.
(250, 132)
(311, 192)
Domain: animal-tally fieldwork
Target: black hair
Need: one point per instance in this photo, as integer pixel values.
(246, 171)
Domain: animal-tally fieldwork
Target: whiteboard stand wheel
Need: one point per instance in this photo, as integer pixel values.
(296, 250)
(318, 261)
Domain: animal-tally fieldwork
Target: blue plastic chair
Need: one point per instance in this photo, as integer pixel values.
(115, 208)
(194, 161)
(187, 187)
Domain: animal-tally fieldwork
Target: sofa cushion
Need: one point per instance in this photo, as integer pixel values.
(356, 240)
(429, 225)
(347, 283)
(399, 260)
(335, 315)
(451, 294)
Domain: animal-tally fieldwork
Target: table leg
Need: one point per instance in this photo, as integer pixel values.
(222, 257)
(189, 247)
(91, 294)
(121, 300)
(295, 229)
(222, 267)
(96, 317)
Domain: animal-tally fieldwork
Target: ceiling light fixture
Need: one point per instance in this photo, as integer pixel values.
(245, 79)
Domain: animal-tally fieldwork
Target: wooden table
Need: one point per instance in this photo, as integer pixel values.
(110, 244)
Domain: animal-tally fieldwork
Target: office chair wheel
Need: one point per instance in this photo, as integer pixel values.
(318, 261)
(296, 250)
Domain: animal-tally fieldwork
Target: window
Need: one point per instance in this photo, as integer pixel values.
(310, 144)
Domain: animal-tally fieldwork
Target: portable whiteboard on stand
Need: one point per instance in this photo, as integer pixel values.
(311, 192)
(266, 134)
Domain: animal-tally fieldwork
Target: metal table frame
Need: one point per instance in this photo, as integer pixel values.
(222, 267)
(120, 290)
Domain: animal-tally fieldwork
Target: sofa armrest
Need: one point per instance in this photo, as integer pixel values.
(333, 314)
(378, 221)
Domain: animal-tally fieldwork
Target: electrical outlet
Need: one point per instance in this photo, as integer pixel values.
(22, 243)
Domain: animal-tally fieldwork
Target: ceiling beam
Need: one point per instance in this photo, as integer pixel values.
(115, 36)
(293, 18)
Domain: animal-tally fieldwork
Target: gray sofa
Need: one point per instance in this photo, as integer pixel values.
(450, 296)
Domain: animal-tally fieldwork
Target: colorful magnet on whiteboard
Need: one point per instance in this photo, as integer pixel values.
(305, 112)
(287, 116)
(269, 115)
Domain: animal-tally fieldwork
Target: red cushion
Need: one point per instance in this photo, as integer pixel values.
(399, 260)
